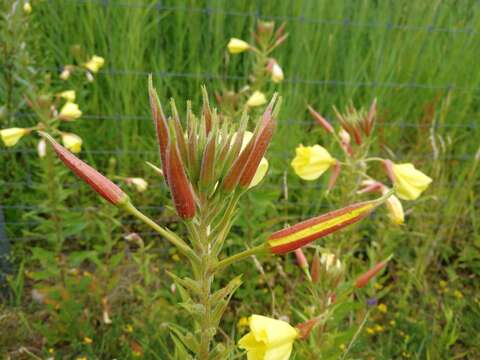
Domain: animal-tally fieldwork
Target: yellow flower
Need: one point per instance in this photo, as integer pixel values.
(27, 7)
(87, 340)
(68, 95)
(382, 308)
(236, 46)
(11, 136)
(311, 162)
(243, 322)
(395, 210)
(256, 99)
(95, 63)
(72, 142)
(276, 71)
(409, 182)
(268, 339)
(129, 328)
(70, 111)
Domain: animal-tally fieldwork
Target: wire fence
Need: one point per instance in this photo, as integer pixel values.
(14, 225)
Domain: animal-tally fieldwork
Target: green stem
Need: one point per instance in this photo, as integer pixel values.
(171, 237)
(240, 256)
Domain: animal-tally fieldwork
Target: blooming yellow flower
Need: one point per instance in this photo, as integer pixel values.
(262, 167)
(236, 46)
(382, 308)
(72, 142)
(395, 210)
(256, 99)
(268, 339)
(409, 182)
(68, 95)
(87, 340)
(70, 111)
(27, 7)
(311, 162)
(11, 136)
(95, 63)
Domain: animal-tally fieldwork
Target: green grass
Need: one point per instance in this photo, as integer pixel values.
(418, 58)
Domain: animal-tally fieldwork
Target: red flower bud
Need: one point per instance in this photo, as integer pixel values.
(363, 279)
(301, 259)
(180, 187)
(160, 121)
(260, 147)
(321, 120)
(103, 186)
(334, 176)
(316, 265)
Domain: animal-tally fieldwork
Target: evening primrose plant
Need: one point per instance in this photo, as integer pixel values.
(208, 163)
(265, 68)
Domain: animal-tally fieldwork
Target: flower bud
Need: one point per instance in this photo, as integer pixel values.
(180, 187)
(302, 261)
(256, 99)
(236, 46)
(298, 235)
(94, 64)
(334, 176)
(42, 148)
(140, 184)
(103, 186)
(72, 142)
(311, 162)
(321, 120)
(363, 279)
(70, 111)
(10, 137)
(395, 208)
(275, 70)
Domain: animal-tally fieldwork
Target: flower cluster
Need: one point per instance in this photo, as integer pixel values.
(266, 40)
(311, 162)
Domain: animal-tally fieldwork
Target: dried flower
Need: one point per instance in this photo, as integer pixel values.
(311, 162)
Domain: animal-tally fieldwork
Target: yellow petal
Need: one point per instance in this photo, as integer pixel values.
(395, 210)
(69, 95)
(311, 162)
(256, 99)
(277, 73)
(95, 63)
(409, 182)
(10, 137)
(72, 142)
(236, 46)
(70, 111)
(260, 173)
(271, 331)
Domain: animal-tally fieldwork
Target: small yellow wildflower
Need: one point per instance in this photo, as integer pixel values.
(243, 322)
(129, 328)
(51, 350)
(70, 111)
(379, 328)
(256, 99)
(443, 283)
(370, 330)
(27, 7)
(458, 294)
(10, 137)
(87, 340)
(393, 322)
(382, 308)
(268, 339)
(236, 46)
(175, 257)
(378, 286)
(342, 347)
(409, 182)
(72, 142)
(311, 162)
(95, 63)
(68, 95)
